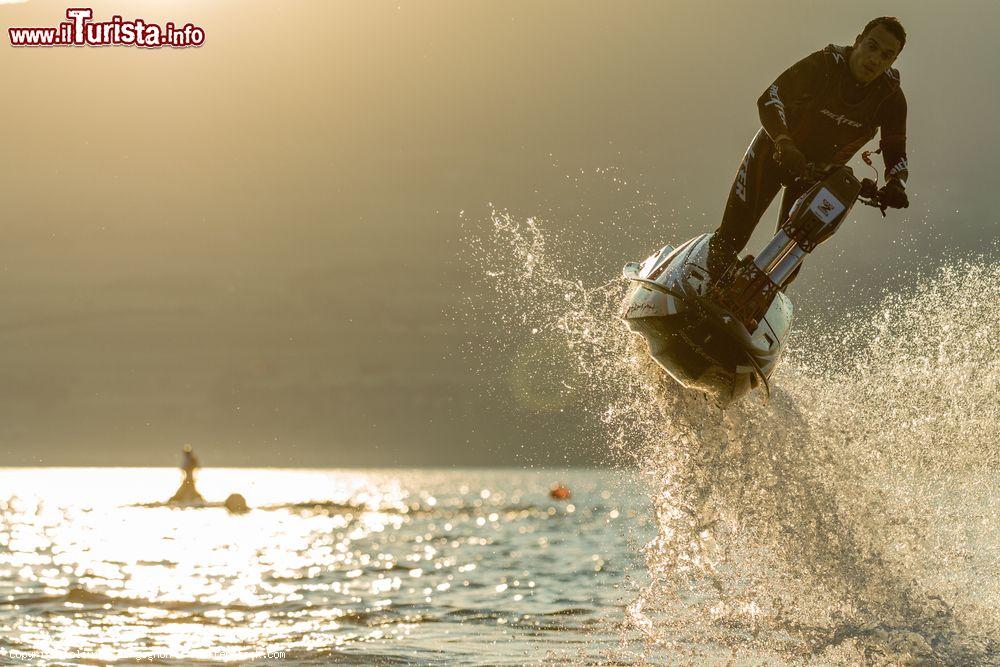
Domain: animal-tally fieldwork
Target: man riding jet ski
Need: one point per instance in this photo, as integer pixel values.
(719, 324)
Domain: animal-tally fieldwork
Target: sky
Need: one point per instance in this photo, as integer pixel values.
(256, 246)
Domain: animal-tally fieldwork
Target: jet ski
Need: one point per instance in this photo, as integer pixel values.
(718, 324)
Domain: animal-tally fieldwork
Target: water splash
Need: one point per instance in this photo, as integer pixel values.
(852, 518)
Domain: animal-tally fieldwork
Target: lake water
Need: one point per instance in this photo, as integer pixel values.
(849, 516)
(380, 566)
(852, 518)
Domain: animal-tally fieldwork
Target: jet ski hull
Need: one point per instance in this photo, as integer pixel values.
(700, 344)
(719, 324)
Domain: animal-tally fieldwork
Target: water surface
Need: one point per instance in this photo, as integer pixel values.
(379, 566)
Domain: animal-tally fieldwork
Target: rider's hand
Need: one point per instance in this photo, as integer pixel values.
(893, 195)
(790, 158)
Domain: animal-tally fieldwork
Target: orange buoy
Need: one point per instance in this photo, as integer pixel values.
(559, 491)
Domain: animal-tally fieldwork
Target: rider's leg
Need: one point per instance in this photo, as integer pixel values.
(756, 184)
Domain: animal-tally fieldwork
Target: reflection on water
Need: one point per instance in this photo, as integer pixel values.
(431, 566)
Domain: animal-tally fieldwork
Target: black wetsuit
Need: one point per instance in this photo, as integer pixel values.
(829, 116)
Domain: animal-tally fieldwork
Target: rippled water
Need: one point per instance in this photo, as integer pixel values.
(853, 519)
(423, 567)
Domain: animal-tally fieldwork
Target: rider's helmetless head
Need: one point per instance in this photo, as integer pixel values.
(876, 48)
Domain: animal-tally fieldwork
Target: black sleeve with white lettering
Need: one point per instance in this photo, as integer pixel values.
(892, 124)
(790, 90)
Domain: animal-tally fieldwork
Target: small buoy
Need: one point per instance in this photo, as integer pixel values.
(237, 504)
(559, 492)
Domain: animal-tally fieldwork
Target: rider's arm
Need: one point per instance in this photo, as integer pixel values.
(793, 87)
(892, 124)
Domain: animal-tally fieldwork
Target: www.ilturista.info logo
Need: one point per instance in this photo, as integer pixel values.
(79, 30)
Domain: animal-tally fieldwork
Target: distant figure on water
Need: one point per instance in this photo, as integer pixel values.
(559, 491)
(187, 493)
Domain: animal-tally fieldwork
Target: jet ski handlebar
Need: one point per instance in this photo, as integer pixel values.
(869, 195)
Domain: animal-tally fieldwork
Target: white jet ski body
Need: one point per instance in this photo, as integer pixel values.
(696, 342)
(718, 324)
